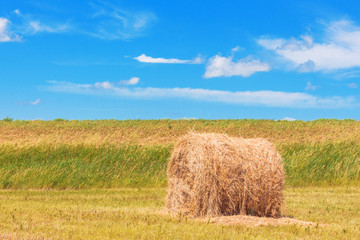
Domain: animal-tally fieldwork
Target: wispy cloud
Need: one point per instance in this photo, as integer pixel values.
(311, 87)
(347, 75)
(148, 59)
(6, 35)
(108, 21)
(35, 26)
(106, 85)
(339, 50)
(36, 102)
(219, 66)
(30, 25)
(27, 25)
(112, 22)
(247, 98)
(353, 85)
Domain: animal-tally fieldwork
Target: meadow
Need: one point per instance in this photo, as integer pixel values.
(107, 179)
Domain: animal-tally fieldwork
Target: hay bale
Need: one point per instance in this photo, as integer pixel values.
(214, 175)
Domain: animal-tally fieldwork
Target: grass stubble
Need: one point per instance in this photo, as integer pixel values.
(138, 213)
(106, 179)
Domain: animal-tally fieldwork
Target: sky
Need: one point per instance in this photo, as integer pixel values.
(113, 59)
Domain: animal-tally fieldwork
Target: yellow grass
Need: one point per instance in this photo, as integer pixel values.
(113, 132)
(139, 214)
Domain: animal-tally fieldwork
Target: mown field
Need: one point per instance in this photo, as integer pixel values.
(107, 179)
(137, 213)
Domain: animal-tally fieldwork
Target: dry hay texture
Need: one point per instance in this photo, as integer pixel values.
(216, 175)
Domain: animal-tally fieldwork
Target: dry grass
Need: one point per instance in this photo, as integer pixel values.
(215, 175)
(133, 214)
(254, 221)
(113, 132)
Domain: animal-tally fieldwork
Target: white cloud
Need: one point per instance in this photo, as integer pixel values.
(37, 101)
(104, 85)
(340, 49)
(247, 98)
(288, 119)
(131, 81)
(187, 118)
(5, 34)
(311, 87)
(198, 60)
(235, 49)
(17, 12)
(148, 59)
(353, 85)
(225, 66)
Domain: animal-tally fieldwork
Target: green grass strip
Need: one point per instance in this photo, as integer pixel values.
(325, 163)
(78, 167)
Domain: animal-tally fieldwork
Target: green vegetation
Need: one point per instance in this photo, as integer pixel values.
(138, 214)
(7, 119)
(83, 166)
(86, 166)
(323, 163)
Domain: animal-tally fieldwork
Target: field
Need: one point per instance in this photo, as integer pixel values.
(106, 179)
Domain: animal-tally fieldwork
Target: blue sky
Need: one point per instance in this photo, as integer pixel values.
(179, 59)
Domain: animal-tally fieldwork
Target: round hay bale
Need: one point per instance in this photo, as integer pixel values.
(213, 175)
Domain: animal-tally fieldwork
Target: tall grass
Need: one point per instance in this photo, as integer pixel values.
(77, 167)
(84, 166)
(325, 163)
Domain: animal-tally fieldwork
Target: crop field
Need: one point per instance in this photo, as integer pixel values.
(106, 179)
